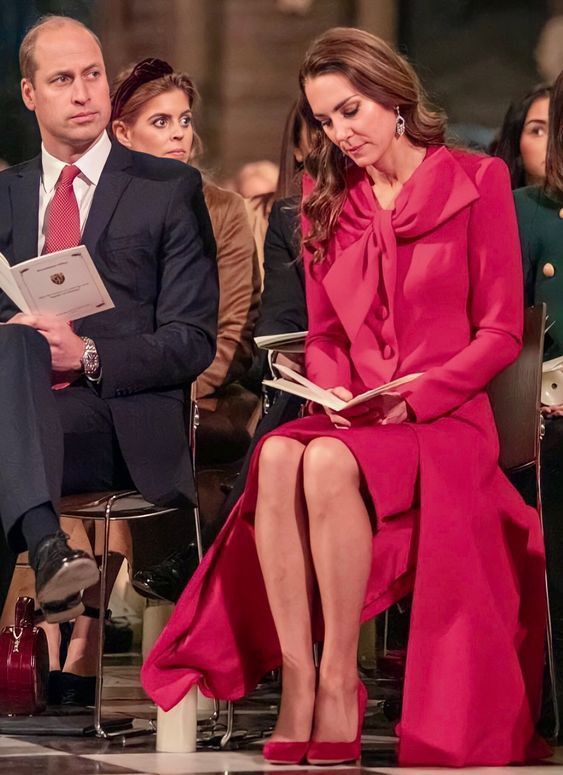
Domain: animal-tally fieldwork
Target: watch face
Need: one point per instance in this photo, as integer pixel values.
(90, 359)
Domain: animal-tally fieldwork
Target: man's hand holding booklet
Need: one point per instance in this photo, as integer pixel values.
(298, 385)
(65, 284)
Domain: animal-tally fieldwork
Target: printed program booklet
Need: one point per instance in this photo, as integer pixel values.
(283, 343)
(552, 382)
(298, 385)
(65, 283)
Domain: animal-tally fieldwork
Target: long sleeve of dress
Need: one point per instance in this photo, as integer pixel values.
(326, 351)
(495, 302)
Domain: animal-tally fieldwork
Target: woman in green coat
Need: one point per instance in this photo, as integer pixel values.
(540, 219)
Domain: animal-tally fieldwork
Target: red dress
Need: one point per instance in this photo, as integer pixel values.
(433, 286)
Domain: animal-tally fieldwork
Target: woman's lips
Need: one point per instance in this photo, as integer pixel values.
(356, 149)
(176, 152)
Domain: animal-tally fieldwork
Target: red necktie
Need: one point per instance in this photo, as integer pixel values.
(63, 227)
(63, 216)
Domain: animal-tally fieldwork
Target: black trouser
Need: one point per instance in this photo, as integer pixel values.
(52, 442)
(552, 502)
(552, 498)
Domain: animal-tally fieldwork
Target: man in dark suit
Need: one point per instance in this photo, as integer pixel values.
(146, 227)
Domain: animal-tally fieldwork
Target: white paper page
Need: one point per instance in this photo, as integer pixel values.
(291, 342)
(314, 389)
(389, 387)
(9, 285)
(553, 364)
(288, 386)
(65, 283)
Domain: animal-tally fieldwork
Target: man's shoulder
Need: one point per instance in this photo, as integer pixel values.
(17, 170)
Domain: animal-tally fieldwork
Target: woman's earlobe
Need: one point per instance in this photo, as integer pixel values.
(121, 133)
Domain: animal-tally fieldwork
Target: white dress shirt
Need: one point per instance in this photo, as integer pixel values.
(90, 165)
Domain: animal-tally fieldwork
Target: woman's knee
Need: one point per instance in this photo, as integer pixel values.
(280, 456)
(328, 468)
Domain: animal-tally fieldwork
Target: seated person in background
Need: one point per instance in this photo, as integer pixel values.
(259, 206)
(120, 419)
(152, 113)
(522, 141)
(540, 218)
(283, 310)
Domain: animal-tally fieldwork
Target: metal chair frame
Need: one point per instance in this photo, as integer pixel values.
(106, 503)
(534, 329)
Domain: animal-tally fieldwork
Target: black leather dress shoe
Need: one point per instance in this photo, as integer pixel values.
(61, 573)
(167, 579)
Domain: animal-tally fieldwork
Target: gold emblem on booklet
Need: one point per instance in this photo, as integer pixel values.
(58, 278)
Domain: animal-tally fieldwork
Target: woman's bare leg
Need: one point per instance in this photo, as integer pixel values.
(283, 550)
(341, 546)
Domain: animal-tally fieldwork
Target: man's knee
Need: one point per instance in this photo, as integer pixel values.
(17, 340)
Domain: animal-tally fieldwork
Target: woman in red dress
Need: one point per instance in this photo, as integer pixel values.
(412, 265)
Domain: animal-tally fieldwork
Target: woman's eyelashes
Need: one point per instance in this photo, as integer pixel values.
(161, 122)
(347, 113)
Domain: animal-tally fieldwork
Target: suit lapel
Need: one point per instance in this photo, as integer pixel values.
(113, 182)
(24, 194)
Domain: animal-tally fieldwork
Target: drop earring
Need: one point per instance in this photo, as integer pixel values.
(399, 123)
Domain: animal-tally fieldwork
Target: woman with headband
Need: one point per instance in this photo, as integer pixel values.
(412, 269)
(152, 113)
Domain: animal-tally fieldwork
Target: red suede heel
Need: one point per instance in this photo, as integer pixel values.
(285, 753)
(339, 753)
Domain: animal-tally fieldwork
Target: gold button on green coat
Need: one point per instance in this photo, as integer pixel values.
(540, 220)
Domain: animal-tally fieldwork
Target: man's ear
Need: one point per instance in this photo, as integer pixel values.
(28, 93)
(122, 133)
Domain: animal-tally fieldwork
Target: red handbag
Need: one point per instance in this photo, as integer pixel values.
(24, 664)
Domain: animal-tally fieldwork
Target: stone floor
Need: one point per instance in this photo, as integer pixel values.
(58, 754)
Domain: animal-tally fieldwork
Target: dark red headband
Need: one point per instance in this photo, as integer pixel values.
(145, 71)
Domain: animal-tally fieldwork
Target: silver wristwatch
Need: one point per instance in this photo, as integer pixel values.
(91, 360)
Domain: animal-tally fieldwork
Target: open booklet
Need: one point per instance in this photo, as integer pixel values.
(283, 343)
(552, 382)
(65, 283)
(298, 385)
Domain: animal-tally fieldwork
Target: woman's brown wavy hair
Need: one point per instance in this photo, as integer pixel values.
(378, 72)
(554, 158)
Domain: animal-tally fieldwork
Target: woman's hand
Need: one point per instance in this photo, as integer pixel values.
(295, 361)
(553, 411)
(336, 419)
(386, 409)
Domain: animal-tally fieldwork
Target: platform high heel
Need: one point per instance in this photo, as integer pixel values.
(285, 752)
(339, 753)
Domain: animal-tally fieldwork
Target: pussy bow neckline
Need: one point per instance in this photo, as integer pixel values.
(365, 248)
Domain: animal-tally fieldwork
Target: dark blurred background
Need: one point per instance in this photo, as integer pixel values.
(474, 56)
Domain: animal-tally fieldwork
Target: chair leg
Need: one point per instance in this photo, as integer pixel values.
(230, 725)
(100, 732)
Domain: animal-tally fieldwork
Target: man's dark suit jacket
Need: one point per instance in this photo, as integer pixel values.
(149, 234)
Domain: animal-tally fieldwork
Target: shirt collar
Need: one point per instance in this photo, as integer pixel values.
(90, 164)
